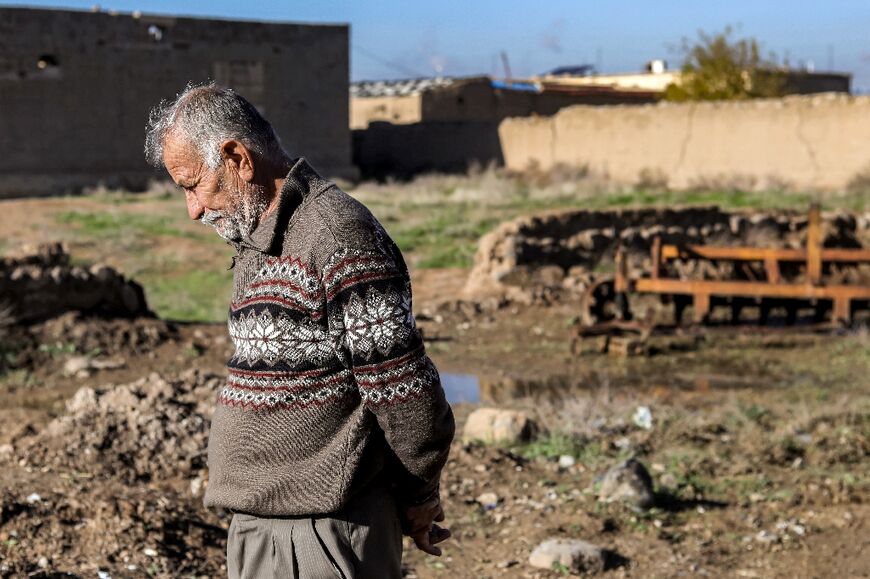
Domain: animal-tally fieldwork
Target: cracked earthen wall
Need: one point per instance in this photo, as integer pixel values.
(818, 142)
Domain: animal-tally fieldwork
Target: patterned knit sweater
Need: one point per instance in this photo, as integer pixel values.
(329, 389)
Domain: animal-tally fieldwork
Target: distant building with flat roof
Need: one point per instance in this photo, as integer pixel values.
(655, 79)
(76, 88)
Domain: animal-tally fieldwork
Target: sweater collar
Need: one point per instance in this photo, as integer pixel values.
(301, 181)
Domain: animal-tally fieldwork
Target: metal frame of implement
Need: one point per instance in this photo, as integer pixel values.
(701, 291)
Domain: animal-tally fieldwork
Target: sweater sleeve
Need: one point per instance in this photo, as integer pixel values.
(372, 328)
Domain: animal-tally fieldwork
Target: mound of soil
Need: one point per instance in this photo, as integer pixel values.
(119, 530)
(108, 336)
(153, 428)
(32, 347)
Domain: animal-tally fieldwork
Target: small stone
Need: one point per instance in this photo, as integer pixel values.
(566, 461)
(495, 425)
(33, 498)
(108, 363)
(149, 552)
(669, 480)
(196, 486)
(488, 500)
(7, 451)
(42, 563)
(76, 366)
(629, 482)
(507, 564)
(574, 555)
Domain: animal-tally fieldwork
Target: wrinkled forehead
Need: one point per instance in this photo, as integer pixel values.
(176, 146)
(179, 154)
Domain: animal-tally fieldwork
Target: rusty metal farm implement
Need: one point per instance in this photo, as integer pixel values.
(760, 284)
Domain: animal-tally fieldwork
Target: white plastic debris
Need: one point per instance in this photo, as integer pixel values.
(643, 417)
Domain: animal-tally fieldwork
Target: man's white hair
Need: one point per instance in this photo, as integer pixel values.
(206, 115)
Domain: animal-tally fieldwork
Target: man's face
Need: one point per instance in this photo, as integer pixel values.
(216, 197)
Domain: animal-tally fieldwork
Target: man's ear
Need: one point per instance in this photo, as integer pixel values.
(237, 156)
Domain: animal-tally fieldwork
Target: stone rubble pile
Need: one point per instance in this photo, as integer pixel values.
(39, 283)
(533, 257)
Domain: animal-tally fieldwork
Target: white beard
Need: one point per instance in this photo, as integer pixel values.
(241, 222)
(227, 226)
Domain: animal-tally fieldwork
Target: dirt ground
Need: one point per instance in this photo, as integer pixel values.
(758, 449)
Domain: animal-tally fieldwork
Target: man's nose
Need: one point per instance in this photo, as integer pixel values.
(194, 209)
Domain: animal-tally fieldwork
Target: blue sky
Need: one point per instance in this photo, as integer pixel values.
(400, 38)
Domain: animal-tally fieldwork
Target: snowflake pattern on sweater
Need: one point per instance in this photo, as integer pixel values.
(356, 313)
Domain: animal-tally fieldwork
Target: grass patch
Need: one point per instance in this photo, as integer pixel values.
(194, 295)
(182, 265)
(554, 445)
(437, 237)
(112, 224)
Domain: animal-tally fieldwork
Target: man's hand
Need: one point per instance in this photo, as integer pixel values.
(418, 522)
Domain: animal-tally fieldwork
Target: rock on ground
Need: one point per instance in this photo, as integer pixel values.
(573, 555)
(495, 425)
(629, 482)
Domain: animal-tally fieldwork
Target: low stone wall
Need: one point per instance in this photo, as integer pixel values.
(40, 283)
(563, 250)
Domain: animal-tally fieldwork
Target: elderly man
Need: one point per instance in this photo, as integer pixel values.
(330, 435)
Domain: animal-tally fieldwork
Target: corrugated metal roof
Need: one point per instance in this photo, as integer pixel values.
(405, 87)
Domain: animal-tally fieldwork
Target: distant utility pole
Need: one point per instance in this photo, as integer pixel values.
(507, 67)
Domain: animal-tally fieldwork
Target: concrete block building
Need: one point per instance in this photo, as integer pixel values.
(76, 89)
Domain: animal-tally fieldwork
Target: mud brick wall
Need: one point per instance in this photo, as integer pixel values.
(803, 142)
(76, 89)
(563, 249)
(40, 283)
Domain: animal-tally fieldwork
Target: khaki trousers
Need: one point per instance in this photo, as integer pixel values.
(362, 541)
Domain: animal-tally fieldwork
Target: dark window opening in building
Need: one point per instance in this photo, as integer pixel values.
(46, 62)
(47, 67)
